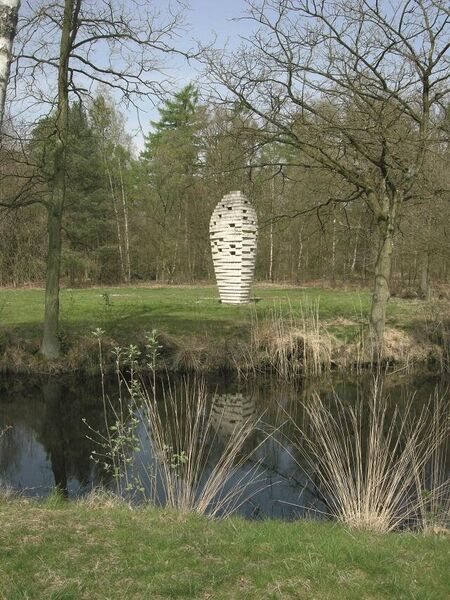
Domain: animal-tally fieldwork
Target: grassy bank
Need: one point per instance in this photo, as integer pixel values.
(197, 332)
(96, 550)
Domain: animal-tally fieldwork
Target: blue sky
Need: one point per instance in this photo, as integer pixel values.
(208, 16)
(206, 20)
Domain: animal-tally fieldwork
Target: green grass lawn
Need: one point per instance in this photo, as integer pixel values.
(73, 551)
(186, 310)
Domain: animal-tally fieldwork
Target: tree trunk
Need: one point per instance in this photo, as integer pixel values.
(424, 274)
(424, 283)
(187, 246)
(333, 248)
(172, 268)
(118, 227)
(50, 346)
(381, 291)
(355, 249)
(272, 202)
(271, 251)
(125, 227)
(299, 275)
(9, 10)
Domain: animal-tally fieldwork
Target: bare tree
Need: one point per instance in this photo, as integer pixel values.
(109, 126)
(357, 87)
(82, 44)
(9, 10)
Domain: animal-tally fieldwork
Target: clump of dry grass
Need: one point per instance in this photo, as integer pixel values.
(291, 343)
(370, 463)
(400, 347)
(190, 358)
(182, 431)
(82, 353)
(437, 329)
(17, 355)
(100, 498)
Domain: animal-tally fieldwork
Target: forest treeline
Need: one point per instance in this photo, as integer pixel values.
(333, 117)
(143, 216)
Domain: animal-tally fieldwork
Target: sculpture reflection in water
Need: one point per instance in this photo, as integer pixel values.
(232, 411)
(181, 460)
(281, 488)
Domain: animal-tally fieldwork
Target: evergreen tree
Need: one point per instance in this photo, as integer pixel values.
(171, 165)
(87, 223)
(178, 114)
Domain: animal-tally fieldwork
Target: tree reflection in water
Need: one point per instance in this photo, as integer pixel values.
(45, 446)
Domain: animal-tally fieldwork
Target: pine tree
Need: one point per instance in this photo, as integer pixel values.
(171, 163)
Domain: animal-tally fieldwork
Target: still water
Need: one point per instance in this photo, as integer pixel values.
(46, 441)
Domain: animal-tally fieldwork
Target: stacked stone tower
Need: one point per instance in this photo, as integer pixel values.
(233, 232)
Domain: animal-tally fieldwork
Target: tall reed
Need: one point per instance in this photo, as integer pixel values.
(433, 480)
(195, 470)
(165, 448)
(370, 464)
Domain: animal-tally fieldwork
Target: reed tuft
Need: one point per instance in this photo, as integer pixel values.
(376, 465)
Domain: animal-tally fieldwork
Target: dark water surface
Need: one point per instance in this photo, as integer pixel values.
(46, 441)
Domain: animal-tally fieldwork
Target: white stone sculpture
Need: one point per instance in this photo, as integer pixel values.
(233, 231)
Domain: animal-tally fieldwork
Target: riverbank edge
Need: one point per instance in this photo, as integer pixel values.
(288, 355)
(102, 547)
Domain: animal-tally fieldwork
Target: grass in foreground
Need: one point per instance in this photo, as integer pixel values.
(96, 551)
